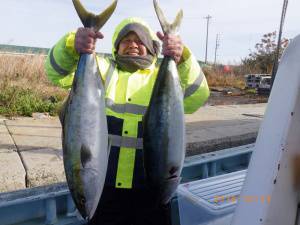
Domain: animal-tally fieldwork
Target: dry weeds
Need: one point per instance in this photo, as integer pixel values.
(24, 87)
(22, 75)
(26, 71)
(217, 78)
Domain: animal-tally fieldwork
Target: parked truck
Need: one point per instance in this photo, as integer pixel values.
(260, 82)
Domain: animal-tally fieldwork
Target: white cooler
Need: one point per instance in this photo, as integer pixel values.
(210, 201)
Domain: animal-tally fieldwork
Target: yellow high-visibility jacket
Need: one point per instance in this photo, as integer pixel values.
(127, 98)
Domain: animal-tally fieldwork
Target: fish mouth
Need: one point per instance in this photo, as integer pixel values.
(172, 177)
(80, 202)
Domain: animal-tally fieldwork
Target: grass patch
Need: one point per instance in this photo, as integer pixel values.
(251, 91)
(25, 88)
(18, 101)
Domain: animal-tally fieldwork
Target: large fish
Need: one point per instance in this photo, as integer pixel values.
(85, 135)
(163, 125)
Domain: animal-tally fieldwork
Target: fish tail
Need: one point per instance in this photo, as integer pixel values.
(168, 28)
(91, 20)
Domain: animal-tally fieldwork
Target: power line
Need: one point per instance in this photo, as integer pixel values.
(208, 17)
(217, 47)
(275, 64)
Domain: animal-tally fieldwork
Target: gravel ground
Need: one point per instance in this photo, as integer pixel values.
(234, 97)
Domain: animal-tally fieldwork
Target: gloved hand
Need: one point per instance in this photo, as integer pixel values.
(172, 46)
(85, 40)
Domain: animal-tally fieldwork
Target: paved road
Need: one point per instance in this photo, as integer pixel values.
(31, 155)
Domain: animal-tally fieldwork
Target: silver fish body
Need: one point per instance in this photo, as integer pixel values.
(164, 126)
(85, 134)
(85, 137)
(164, 133)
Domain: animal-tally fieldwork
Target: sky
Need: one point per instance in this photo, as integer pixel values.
(239, 23)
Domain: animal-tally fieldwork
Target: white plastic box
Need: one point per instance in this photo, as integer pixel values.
(210, 201)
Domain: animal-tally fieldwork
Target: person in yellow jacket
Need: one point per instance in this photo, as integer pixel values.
(129, 77)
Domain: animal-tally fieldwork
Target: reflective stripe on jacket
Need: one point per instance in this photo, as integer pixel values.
(127, 98)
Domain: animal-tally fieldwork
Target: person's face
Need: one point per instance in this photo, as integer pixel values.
(131, 45)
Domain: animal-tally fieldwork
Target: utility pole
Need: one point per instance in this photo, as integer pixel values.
(275, 64)
(208, 17)
(217, 47)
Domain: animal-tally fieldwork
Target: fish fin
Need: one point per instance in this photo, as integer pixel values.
(91, 20)
(167, 27)
(105, 15)
(85, 155)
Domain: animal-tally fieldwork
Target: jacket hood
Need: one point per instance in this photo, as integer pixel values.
(125, 23)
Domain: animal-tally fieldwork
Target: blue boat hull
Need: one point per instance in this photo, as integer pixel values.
(53, 204)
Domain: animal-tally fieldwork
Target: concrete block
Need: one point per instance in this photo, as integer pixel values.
(39, 144)
(12, 172)
(44, 166)
(207, 136)
(236, 129)
(6, 142)
(28, 121)
(195, 148)
(226, 112)
(31, 134)
(201, 134)
(36, 142)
